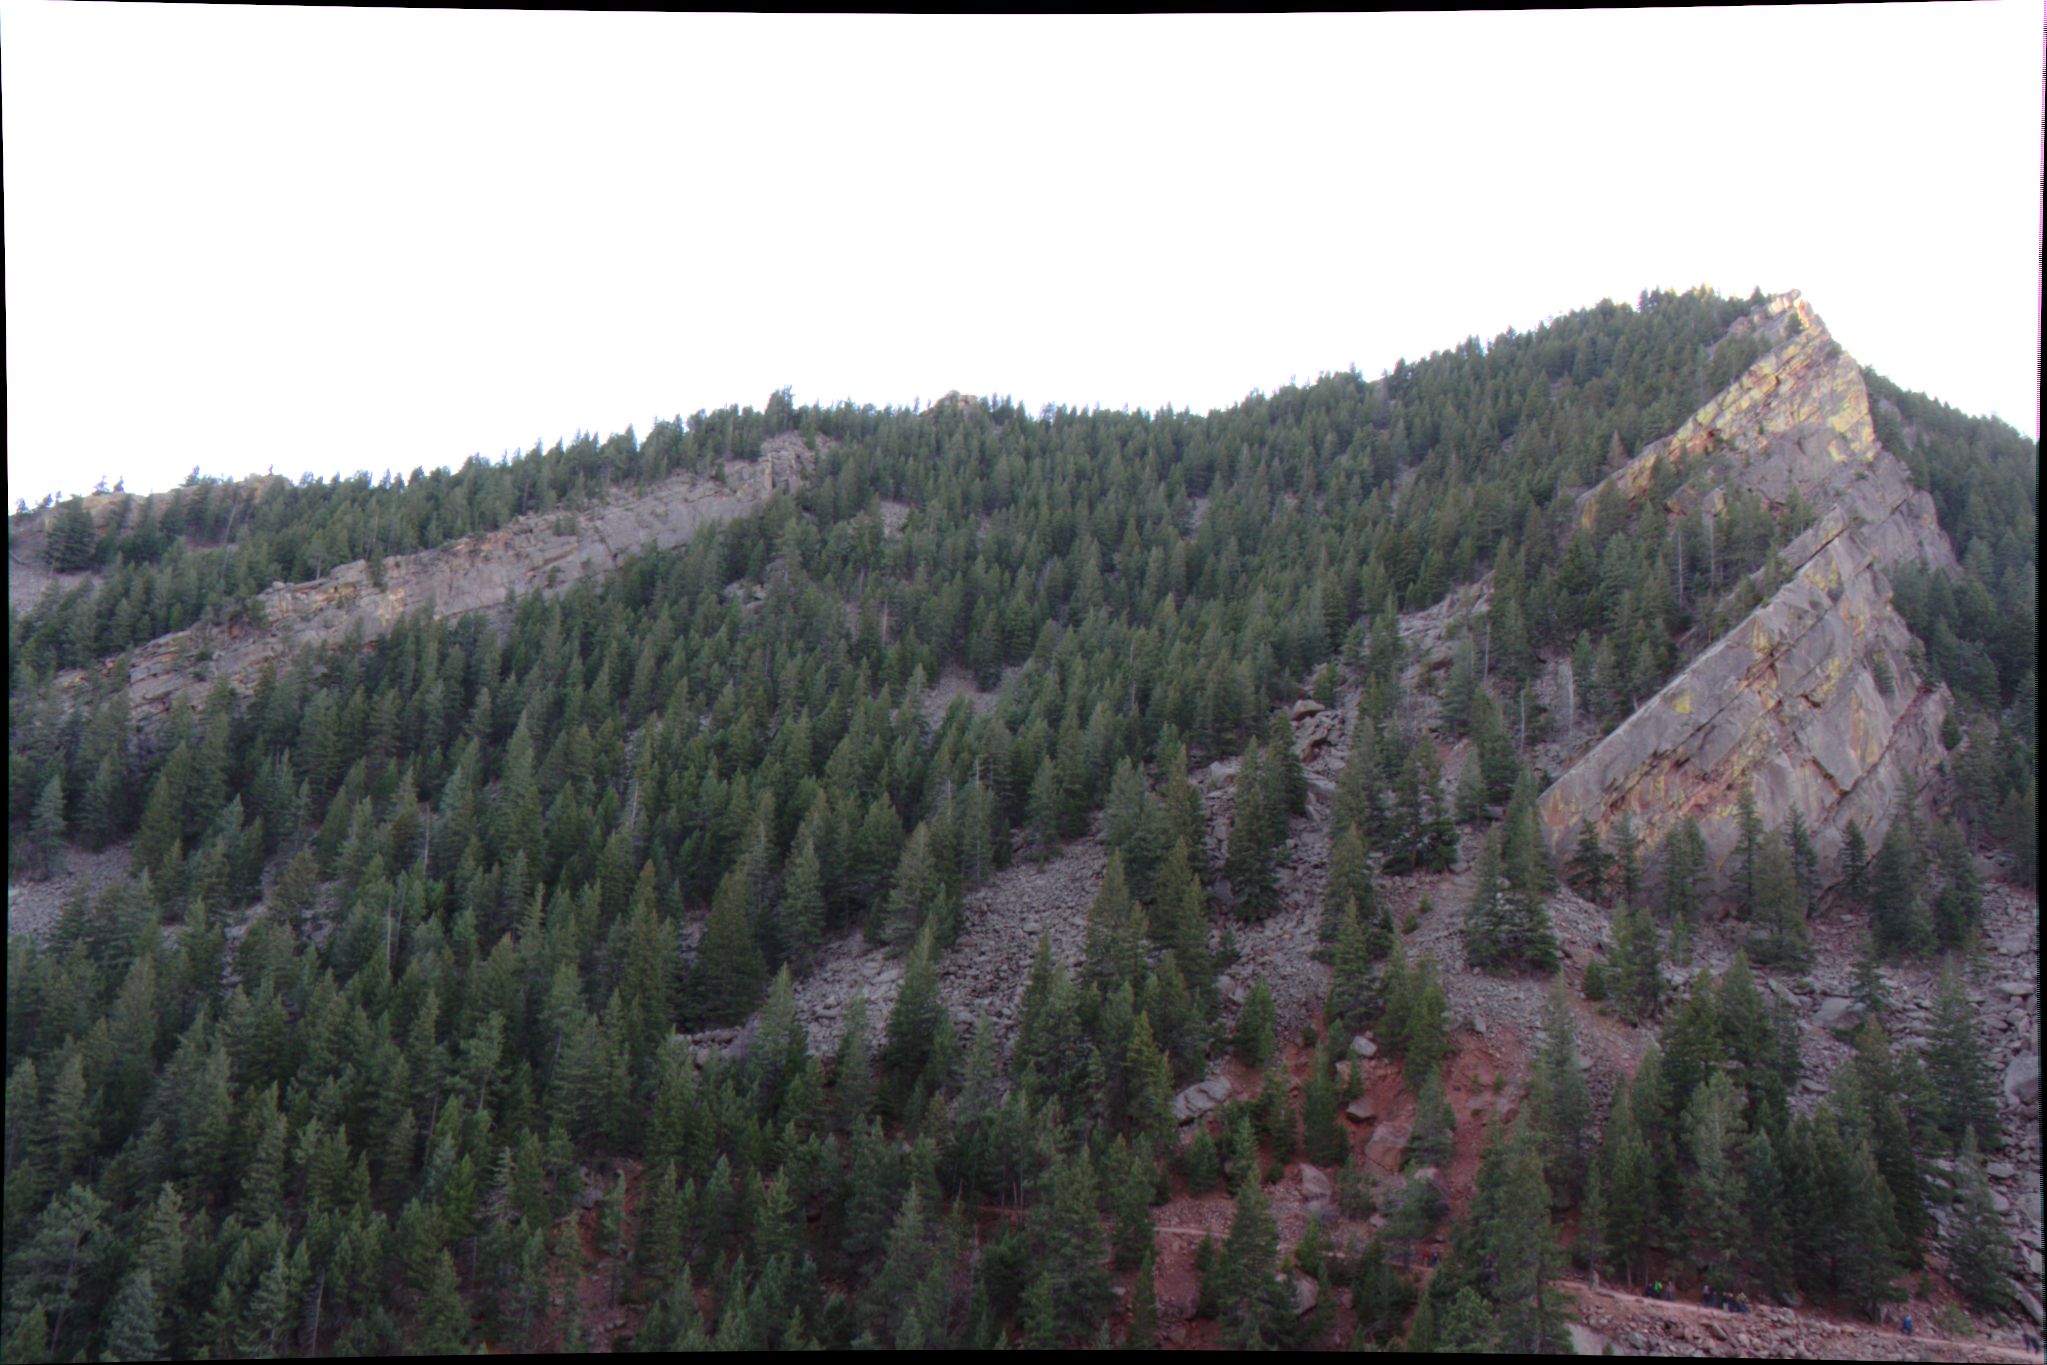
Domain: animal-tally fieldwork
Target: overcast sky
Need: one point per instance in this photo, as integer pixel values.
(328, 240)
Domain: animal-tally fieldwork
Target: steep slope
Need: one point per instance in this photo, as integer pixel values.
(1790, 702)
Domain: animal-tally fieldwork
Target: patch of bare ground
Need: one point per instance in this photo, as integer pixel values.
(33, 907)
(953, 683)
(1633, 1325)
(985, 970)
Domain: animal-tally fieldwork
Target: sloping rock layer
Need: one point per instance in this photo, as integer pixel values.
(1788, 701)
(543, 553)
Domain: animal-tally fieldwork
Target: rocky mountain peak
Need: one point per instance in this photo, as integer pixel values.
(1789, 703)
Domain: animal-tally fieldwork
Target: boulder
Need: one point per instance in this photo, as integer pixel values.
(1835, 1012)
(1201, 1097)
(1361, 1046)
(1362, 1109)
(1384, 1147)
(1432, 1176)
(1307, 1293)
(2022, 1079)
(1316, 1184)
(1585, 1341)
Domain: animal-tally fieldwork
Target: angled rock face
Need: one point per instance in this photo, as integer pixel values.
(543, 553)
(1787, 702)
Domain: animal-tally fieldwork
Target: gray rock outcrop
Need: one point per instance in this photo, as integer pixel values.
(1787, 703)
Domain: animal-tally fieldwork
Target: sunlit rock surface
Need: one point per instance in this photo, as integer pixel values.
(1787, 702)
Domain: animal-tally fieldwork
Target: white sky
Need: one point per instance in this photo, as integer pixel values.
(330, 239)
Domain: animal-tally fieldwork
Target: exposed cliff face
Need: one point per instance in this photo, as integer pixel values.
(1787, 702)
(543, 553)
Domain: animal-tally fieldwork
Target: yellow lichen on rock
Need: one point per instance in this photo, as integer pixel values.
(1830, 679)
(1795, 425)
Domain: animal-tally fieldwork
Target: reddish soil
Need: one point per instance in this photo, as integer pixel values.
(1486, 1078)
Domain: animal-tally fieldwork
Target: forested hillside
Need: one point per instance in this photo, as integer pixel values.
(387, 1001)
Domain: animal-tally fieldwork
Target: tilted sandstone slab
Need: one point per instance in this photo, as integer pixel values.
(544, 553)
(1787, 702)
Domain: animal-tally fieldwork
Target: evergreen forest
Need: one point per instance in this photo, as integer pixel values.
(448, 994)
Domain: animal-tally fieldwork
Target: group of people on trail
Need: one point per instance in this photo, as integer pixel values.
(1733, 1303)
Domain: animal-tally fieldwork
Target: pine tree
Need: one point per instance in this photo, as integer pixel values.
(1043, 813)
(1422, 1338)
(1716, 1140)
(134, 1322)
(1349, 1006)
(1590, 1250)
(1765, 1202)
(802, 909)
(1181, 1027)
(1041, 1329)
(1511, 1210)
(1637, 985)
(1253, 863)
(1957, 1066)
(1378, 1298)
(1321, 1131)
(1350, 883)
(1144, 1308)
(1434, 1136)
(1469, 800)
(1805, 863)
(1854, 866)
(1898, 918)
(727, 980)
(72, 541)
(1867, 986)
(1252, 1301)
(1959, 906)
(1427, 1030)
(852, 1076)
(1626, 870)
(1561, 1103)
(1629, 1169)
(913, 1028)
(1591, 865)
(1067, 1241)
(1200, 1163)
(1748, 843)
(1254, 1042)
(1781, 937)
(1132, 1178)
(1357, 788)
(1880, 1086)
(1486, 915)
(1684, 866)
(1978, 1249)
(1148, 1090)
(1114, 948)
(1287, 780)
(46, 830)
